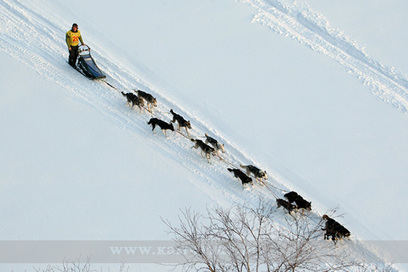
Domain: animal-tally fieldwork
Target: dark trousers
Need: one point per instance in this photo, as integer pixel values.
(73, 55)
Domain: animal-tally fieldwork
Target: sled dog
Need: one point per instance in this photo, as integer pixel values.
(301, 203)
(334, 230)
(217, 146)
(291, 196)
(151, 101)
(258, 173)
(283, 203)
(241, 176)
(206, 149)
(180, 121)
(163, 125)
(133, 100)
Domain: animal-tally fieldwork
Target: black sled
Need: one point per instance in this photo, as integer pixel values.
(87, 65)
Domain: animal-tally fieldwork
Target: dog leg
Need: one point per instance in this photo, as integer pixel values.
(141, 103)
(260, 181)
(208, 159)
(187, 133)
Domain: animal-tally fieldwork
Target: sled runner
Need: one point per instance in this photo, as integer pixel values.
(87, 65)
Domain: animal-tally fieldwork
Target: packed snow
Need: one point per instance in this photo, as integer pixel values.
(313, 93)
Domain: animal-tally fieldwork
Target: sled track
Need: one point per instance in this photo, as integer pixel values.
(297, 21)
(18, 22)
(47, 60)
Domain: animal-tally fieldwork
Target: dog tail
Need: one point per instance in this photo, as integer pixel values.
(150, 121)
(171, 110)
(243, 166)
(231, 170)
(206, 138)
(193, 140)
(123, 94)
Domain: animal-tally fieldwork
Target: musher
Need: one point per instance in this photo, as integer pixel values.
(73, 37)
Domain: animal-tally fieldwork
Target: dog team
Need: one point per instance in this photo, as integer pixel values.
(209, 147)
(294, 201)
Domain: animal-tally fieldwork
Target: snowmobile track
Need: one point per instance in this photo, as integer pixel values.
(311, 29)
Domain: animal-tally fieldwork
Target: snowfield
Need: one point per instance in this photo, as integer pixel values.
(312, 95)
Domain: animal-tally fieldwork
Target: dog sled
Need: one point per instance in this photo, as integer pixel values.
(87, 65)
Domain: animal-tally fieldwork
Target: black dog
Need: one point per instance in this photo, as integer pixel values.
(133, 100)
(291, 196)
(343, 232)
(241, 175)
(301, 203)
(163, 125)
(334, 230)
(180, 121)
(288, 206)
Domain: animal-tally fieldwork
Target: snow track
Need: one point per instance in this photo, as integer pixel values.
(296, 20)
(36, 40)
(18, 25)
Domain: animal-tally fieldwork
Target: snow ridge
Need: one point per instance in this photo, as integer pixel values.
(296, 20)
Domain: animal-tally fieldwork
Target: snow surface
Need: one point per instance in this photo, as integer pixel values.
(315, 93)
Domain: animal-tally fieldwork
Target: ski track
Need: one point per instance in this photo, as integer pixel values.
(18, 22)
(296, 20)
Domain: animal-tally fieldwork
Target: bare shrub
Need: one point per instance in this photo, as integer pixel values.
(75, 266)
(248, 239)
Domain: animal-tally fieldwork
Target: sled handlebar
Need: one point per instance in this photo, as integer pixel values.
(84, 49)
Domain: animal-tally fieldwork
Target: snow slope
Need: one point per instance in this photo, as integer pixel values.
(282, 102)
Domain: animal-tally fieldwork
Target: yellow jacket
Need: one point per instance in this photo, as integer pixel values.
(73, 38)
